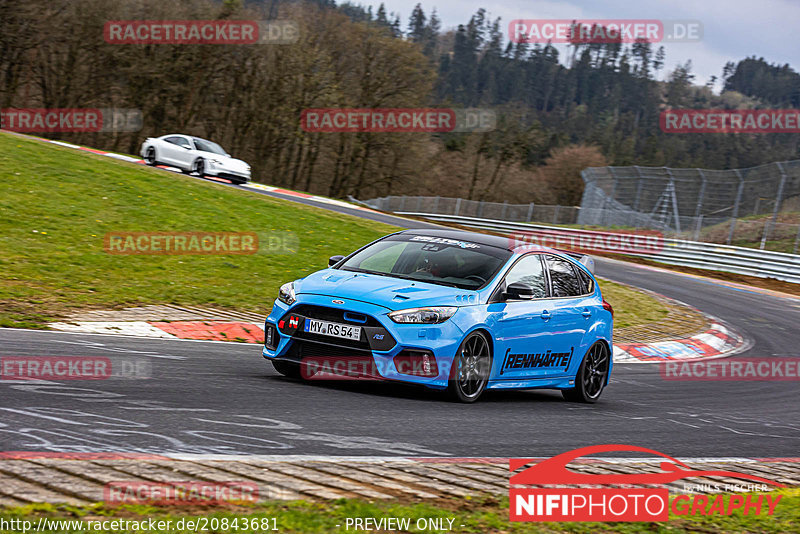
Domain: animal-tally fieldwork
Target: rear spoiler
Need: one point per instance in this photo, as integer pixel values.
(584, 259)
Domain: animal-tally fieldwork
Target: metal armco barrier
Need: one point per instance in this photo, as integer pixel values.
(712, 256)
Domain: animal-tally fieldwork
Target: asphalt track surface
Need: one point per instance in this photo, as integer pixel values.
(224, 398)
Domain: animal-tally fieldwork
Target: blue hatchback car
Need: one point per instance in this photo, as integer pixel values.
(450, 310)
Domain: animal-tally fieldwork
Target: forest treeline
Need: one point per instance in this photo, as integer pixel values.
(557, 113)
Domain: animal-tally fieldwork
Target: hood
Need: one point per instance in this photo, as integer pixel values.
(391, 293)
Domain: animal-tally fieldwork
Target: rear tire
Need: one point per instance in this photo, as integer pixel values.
(150, 157)
(591, 377)
(287, 368)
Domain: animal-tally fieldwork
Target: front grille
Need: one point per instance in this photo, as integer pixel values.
(232, 176)
(335, 316)
(301, 349)
(373, 335)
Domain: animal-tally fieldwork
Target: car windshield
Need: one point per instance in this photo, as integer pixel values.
(436, 260)
(208, 146)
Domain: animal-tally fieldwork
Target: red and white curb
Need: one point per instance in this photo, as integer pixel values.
(187, 330)
(716, 342)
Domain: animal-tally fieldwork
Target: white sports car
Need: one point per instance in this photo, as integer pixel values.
(194, 155)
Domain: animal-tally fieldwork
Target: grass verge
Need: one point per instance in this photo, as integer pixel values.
(57, 204)
(631, 307)
(468, 515)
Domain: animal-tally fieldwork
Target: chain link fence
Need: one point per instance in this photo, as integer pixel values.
(755, 206)
(475, 208)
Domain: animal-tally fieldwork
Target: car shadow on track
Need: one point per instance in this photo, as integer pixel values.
(413, 392)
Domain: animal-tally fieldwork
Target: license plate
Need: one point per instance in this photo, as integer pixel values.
(325, 328)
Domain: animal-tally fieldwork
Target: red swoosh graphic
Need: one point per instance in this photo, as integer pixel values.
(553, 471)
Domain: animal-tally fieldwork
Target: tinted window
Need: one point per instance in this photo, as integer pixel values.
(588, 283)
(430, 259)
(208, 146)
(180, 141)
(563, 278)
(529, 271)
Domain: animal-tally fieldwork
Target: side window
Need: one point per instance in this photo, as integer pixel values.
(563, 278)
(180, 141)
(529, 271)
(588, 283)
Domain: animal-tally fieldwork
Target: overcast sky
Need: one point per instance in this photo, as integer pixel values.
(732, 29)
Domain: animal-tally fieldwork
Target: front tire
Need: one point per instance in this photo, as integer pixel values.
(287, 369)
(591, 377)
(472, 365)
(199, 167)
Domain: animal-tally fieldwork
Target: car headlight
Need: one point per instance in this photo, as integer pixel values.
(434, 315)
(286, 294)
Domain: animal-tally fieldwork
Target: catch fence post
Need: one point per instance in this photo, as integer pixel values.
(771, 223)
(735, 214)
(698, 212)
(796, 240)
(639, 184)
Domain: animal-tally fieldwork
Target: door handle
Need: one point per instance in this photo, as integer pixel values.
(545, 315)
(586, 313)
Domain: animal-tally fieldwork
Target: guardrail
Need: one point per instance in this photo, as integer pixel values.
(712, 256)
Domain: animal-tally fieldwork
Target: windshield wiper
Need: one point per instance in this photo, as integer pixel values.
(401, 276)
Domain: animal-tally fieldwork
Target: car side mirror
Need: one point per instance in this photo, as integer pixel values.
(519, 291)
(333, 260)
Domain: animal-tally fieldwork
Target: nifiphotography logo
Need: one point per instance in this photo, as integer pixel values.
(633, 497)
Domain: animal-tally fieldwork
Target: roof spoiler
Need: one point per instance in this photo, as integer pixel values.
(584, 259)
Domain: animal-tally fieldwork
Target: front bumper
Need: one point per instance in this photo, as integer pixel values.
(223, 171)
(389, 345)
